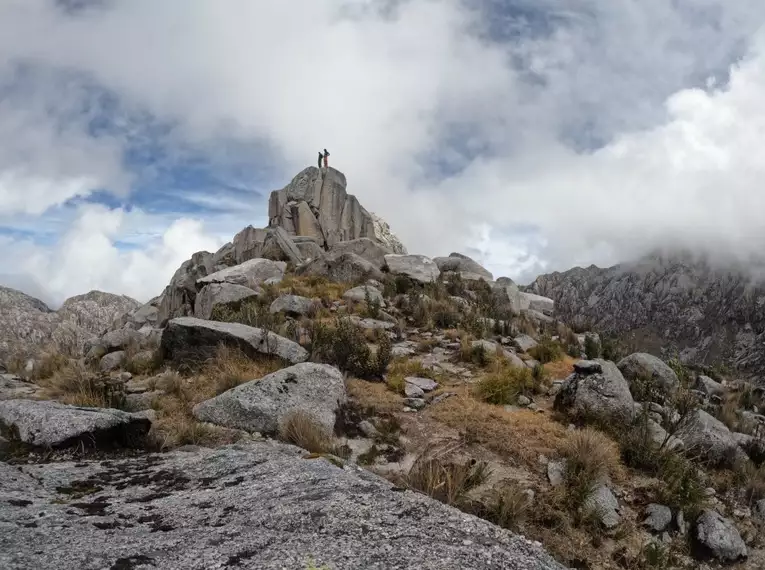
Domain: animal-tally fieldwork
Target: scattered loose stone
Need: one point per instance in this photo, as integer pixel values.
(658, 517)
(718, 537)
(424, 384)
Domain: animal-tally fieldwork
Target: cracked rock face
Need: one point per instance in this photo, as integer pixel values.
(256, 506)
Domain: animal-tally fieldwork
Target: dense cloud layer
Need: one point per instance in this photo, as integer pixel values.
(535, 135)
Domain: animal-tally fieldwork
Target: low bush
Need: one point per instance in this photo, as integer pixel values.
(345, 346)
(504, 385)
(446, 478)
(253, 313)
(301, 429)
(400, 369)
(590, 456)
(546, 351)
(508, 506)
(591, 347)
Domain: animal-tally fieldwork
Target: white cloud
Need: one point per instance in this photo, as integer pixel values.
(391, 93)
(87, 258)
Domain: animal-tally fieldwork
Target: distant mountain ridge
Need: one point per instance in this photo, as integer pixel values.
(706, 313)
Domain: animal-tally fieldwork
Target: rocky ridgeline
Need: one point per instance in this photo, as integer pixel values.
(689, 439)
(27, 324)
(669, 304)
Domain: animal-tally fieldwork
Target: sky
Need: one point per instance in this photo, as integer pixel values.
(533, 135)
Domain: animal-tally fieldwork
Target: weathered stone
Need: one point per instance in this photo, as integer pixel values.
(556, 472)
(221, 295)
(709, 438)
(13, 387)
(588, 367)
(709, 386)
(385, 236)
(51, 424)
(342, 267)
(718, 537)
(537, 303)
(365, 248)
(414, 403)
(112, 361)
(412, 391)
(374, 324)
(758, 511)
(360, 293)
(177, 300)
(263, 405)
(255, 505)
(250, 274)
(189, 340)
(425, 384)
(604, 506)
(293, 305)
(658, 517)
(416, 267)
(113, 341)
(279, 246)
(464, 265)
(141, 402)
(309, 249)
(641, 365)
(524, 342)
(605, 395)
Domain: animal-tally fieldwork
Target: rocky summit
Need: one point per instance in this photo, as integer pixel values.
(312, 396)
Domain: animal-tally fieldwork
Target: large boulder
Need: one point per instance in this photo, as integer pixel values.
(190, 340)
(538, 303)
(343, 267)
(365, 248)
(251, 273)
(114, 341)
(467, 267)
(13, 387)
(51, 424)
(717, 537)
(221, 295)
(177, 300)
(385, 236)
(262, 405)
(279, 246)
(604, 395)
(705, 436)
(641, 365)
(416, 267)
(362, 292)
(293, 305)
(260, 505)
(309, 248)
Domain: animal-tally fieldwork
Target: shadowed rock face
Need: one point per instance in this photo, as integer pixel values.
(256, 506)
(661, 304)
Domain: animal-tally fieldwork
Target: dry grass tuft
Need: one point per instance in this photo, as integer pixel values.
(402, 368)
(560, 369)
(521, 436)
(508, 506)
(504, 384)
(75, 384)
(231, 367)
(301, 429)
(374, 396)
(312, 286)
(445, 477)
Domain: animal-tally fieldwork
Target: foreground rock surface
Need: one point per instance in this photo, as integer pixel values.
(51, 424)
(719, 538)
(189, 340)
(262, 405)
(257, 506)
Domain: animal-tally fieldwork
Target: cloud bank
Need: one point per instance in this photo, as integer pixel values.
(533, 135)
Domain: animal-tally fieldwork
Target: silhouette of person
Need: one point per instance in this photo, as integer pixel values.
(326, 156)
(320, 157)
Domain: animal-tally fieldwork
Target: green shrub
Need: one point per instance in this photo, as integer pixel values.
(590, 457)
(373, 306)
(547, 351)
(344, 345)
(445, 315)
(253, 313)
(591, 347)
(504, 385)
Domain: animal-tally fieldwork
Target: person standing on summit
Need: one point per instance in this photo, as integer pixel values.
(320, 157)
(326, 156)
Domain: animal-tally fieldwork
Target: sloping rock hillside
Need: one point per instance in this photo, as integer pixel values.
(664, 304)
(27, 324)
(258, 505)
